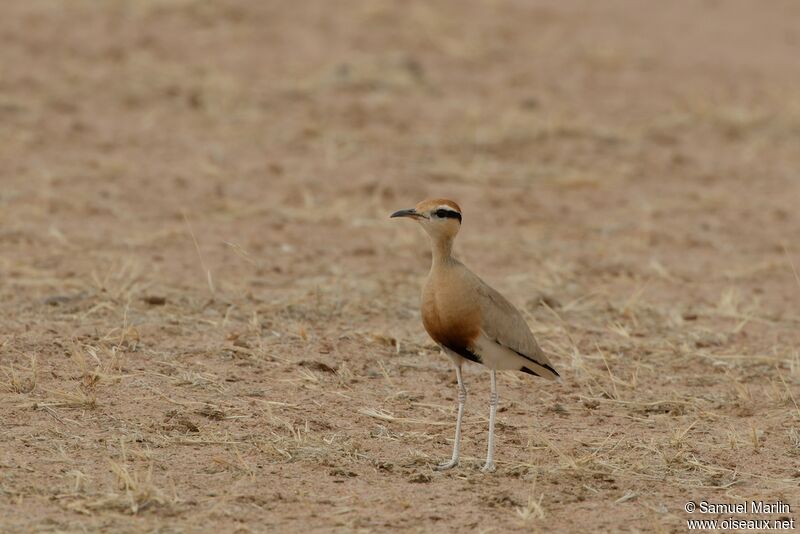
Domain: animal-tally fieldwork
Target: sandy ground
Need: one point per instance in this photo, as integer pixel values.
(207, 320)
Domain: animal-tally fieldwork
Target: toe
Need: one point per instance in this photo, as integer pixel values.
(446, 465)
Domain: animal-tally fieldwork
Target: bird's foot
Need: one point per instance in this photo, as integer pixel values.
(488, 467)
(446, 465)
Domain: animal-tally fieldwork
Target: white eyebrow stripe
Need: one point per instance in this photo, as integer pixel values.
(446, 208)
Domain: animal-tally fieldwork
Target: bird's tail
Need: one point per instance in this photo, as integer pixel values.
(545, 370)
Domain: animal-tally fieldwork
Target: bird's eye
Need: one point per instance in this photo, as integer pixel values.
(442, 213)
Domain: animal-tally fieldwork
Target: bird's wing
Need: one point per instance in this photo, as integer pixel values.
(504, 324)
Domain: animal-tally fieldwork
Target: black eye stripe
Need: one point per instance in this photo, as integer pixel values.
(445, 213)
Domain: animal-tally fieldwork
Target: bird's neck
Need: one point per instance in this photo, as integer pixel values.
(442, 249)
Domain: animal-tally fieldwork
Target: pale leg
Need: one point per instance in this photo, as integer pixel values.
(462, 398)
(489, 466)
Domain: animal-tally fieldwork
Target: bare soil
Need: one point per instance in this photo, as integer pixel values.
(208, 322)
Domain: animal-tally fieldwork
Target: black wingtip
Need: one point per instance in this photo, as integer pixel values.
(547, 366)
(526, 370)
(555, 376)
(551, 369)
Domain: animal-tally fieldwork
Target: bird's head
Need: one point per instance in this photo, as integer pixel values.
(441, 218)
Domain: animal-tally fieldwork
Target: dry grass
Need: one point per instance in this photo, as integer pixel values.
(20, 380)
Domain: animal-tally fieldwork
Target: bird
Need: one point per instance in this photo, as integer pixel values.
(469, 320)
